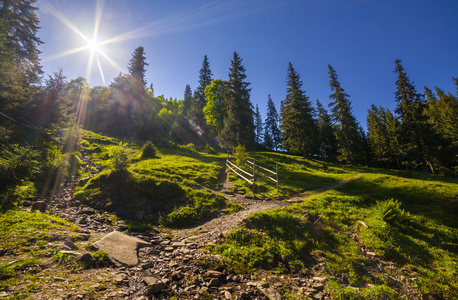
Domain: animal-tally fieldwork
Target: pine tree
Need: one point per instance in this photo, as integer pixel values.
(187, 99)
(239, 124)
(137, 65)
(349, 140)
(299, 128)
(259, 129)
(272, 132)
(199, 101)
(20, 21)
(327, 138)
(382, 136)
(416, 136)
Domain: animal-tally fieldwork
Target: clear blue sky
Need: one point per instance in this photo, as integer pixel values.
(360, 39)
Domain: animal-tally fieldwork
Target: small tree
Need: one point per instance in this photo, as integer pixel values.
(149, 150)
(240, 155)
(119, 159)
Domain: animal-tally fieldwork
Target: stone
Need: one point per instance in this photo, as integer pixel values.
(270, 293)
(178, 244)
(214, 282)
(214, 274)
(147, 265)
(227, 295)
(70, 245)
(41, 206)
(168, 249)
(120, 278)
(154, 285)
(87, 259)
(320, 279)
(121, 248)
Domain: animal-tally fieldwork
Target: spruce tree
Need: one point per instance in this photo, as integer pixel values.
(272, 132)
(349, 140)
(137, 65)
(299, 128)
(259, 129)
(328, 144)
(417, 139)
(239, 124)
(199, 101)
(187, 100)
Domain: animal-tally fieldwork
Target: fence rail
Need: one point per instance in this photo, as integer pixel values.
(256, 170)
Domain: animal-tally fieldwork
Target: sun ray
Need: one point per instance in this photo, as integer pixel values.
(64, 20)
(66, 53)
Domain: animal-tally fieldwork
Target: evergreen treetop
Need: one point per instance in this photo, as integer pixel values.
(137, 65)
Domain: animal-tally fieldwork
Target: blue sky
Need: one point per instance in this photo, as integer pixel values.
(360, 39)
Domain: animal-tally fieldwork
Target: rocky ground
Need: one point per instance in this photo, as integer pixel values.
(169, 264)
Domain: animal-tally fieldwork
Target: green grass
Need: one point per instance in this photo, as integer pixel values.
(27, 241)
(420, 234)
(171, 188)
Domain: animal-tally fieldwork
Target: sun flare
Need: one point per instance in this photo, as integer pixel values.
(94, 46)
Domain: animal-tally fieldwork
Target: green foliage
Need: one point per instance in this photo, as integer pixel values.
(100, 255)
(299, 128)
(191, 148)
(238, 124)
(119, 159)
(393, 214)
(149, 150)
(349, 140)
(240, 155)
(18, 165)
(208, 149)
(215, 109)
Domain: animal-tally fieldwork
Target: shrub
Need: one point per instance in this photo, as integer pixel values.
(191, 148)
(393, 214)
(209, 149)
(119, 159)
(149, 150)
(240, 155)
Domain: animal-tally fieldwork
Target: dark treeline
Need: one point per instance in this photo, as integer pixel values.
(40, 115)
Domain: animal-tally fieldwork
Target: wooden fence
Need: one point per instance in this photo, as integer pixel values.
(256, 173)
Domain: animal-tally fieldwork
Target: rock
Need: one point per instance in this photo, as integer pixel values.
(147, 266)
(270, 293)
(119, 278)
(168, 249)
(214, 274)
(154, 285)
(121, 248)
(40, 206)
(142, 298)
(178, 244)
(371, 254)
(320, 279)
(69, 246)
(227, 295)
(87, 259)
(82, 237)
(214, 282)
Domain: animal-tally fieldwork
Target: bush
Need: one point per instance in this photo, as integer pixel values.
(393, 214)
(119, 159)
(149, 150)
(209, 149)
(241, 155)
(191, 148)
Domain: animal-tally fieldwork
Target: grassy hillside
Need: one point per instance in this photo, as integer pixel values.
(409, 227)
(384, 235)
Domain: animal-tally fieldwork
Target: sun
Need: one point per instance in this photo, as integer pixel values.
(93, 45)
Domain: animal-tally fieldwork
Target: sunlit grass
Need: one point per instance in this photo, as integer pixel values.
(426, 243)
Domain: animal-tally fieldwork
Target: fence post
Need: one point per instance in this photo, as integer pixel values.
(254, 176)
(276, 171)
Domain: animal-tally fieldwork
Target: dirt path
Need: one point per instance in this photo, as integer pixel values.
(223, 224)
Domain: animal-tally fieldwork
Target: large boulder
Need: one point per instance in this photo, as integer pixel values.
(122, 249)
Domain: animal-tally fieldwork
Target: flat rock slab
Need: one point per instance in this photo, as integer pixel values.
(121, 248)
